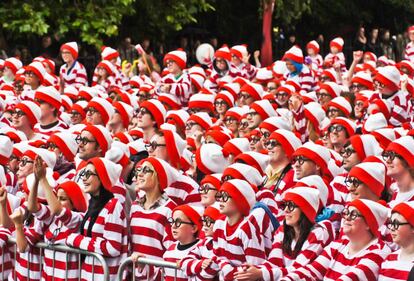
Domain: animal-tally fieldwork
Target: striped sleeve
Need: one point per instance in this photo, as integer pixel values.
(182, 88)
(300, 122)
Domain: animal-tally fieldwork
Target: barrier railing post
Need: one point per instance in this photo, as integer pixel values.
(157, 263)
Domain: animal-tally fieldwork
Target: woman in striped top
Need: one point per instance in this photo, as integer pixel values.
(398, 265)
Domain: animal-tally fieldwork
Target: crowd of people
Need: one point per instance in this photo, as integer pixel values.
(302, 170)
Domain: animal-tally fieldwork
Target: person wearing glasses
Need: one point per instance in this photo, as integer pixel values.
(387, 83)
(356, 256)
(34, 76)
(197, 125)
(340, 130)
(25, 116)
(235, 239)
(99, 111)
(255, 142)
(222, 103)
(72, 72)
(208, 189)
(68, 200)
(298, 242)
(232, 120)
(50, 102)
(186, 226)
(150, 232)
(399, 264)
(93, 141)
(338, 107)
(399, 158)
(192, 263)
(283, 93)
(151, 116)
(104, 225)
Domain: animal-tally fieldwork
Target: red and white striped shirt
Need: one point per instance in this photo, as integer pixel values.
(317, 63)
(47, 131)
(395, 269)
(248, 71)
(400, 104)
(215, 78)
(109, 239)
(305, 79)
(234, 246)
(151, 233)
(184, 191)
(280, 263)
(74, 76)
(180, 86)
(174, 254)
(335, 263)
(7, 264)
(331, 59)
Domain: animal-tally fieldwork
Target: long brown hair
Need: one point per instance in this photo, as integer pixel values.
(305, 226)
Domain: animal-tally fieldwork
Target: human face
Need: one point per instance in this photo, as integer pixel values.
(146, 177)
(271, 87)
(395, 164)
(255, 144)
(46, 110)
(282, 98)
(265, 134)
(143, 96)
(402, 234)
(292, 213)
(191, 127)
(243, 127)
(208, 193)
(337, 134)
(382, 88)
(353, 222)
(244, 98)
(184, 233)
(88, 147)
(356, 87)
(13, 163)
(208, 226)
(359, 190)
(19, 119)
(31, 79)
(227, 205)
(359, 109)
(173, 67)
(75, 117)
(333, 112)
(145, 120)
(91, 181)
(64, 199)
(157, 147)
(350, 157)
(25, 169)
(94, 117)
(54, 148)
(411, 36)
(254, 119)
(231, 123)
(221, 106)
(304, 167)
(66, 56)
(133, 123)
(235, 60)
(115, 125)
(275, 151)
(102, 72)
(221, 64)
(290, 66)
(323, 97)
(8, 74)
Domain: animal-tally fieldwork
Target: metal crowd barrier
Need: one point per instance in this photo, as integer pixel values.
(158, 263)
(64, 249)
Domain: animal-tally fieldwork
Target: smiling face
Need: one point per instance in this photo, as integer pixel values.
(396, 167)
(25, 169)
(354, 227)
(404, 235)
(91, 182)
(147, 178)
(306, 169)
(90, 149)
(64, 199)
(292, 217)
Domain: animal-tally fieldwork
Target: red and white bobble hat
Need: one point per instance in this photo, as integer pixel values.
(80, 107)
(333, 89)
(67, 103)
(212, 212)
(365, 145)
(342, 104)
(66, 144)
(167, 175)
(175, 147)
(286, 88)
(337, 42)
(375, 122)
(49, 95)
(169, 101)
(236, 112)
(389, 76)
(406, 209)
(38, 69)
(88, 93)
(364, 79)
(381, 105)
(253, 89)
(193, 213)
(213, 179)
(72, 47)
(240, 51)
(157, 110)
(384, 136)
(15, 136)
(371, 56)
(375, 214)
(136, 147)
(313, 45)
(223, 52)
(75, 194)
(13, 64)
(123, 137)
(6, 149)
(320, 155)
(108, 171)
(273, 123)
(197, 80)
(232, 88)
(108, 66)
(404, 146)
(226, 96)
(279, 68)
(32, 111)
(242, 193)
(331, 74)
(219, 134)
(202, 119)
(119, 153)
(348, 124)
(202, 101)
(307, 199)
(104, 107)
(264, 75)
(236, 146)
(102, 136)
(407, 65)
(264, 108)
(108, 53)
(47, 156)
(258, 160)
(125, 110)
(315, 181)
(294, 54)
(372, 174)
(210, 158)
(178, 56)
(244, 172)
(315, 114)
(287, 139)
(178, 117)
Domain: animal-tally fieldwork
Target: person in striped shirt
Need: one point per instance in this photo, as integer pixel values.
(398, 264)
(72, 73)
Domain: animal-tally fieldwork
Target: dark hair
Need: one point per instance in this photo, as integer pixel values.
(305, 226)
(96, 204)
(386, 194)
